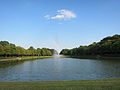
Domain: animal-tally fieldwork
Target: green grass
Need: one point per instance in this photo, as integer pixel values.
(112, 84)
(15, 59)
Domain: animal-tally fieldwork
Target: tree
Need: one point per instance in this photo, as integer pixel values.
(65, 52)
(109, 46)
(9, 49)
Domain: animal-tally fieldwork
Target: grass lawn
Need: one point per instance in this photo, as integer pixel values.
(19, 59)
(111, 84)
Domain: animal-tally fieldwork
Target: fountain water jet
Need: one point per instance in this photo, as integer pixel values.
(56, 54)
(57, 47)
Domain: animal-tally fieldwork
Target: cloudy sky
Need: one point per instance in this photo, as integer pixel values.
(58, 23)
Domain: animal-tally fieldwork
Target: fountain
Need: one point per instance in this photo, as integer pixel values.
(56, 54)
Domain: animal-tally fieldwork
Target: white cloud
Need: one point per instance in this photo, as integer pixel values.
(47, 16)
(62, 14)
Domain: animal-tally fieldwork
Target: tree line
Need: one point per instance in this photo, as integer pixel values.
(108, 46)
(9, 50)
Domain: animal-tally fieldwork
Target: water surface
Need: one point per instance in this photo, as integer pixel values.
(60, 69)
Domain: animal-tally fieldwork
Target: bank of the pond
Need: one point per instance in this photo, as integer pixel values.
(19, 59)
(111, 84)
(94, 57)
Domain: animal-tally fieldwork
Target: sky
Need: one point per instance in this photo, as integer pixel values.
(58, 24)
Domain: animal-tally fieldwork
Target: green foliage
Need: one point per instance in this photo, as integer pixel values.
(8, 49)
(65, 52)
(109, 46)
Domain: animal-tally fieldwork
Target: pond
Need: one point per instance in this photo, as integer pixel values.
(61, 69)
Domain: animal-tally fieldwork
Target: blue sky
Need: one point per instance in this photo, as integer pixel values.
(58, 23)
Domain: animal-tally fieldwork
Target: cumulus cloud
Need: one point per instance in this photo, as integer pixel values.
(62, 14)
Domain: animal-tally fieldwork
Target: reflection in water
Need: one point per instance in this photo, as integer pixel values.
(60, 69)
(6, 65)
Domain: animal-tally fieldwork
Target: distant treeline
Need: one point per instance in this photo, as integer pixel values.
(109, 46)
(10, 50)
